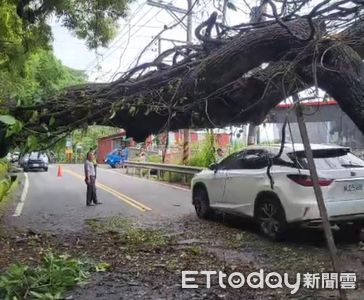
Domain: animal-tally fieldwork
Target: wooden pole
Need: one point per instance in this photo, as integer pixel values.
(256, 15)
(186, 132)
(318, 192)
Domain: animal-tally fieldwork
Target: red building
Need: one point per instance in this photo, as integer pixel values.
(108, 143)
(222, 140)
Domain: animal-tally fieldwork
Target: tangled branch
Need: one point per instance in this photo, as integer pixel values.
(219, 81)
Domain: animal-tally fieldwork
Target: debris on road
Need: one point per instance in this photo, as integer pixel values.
(147, 262)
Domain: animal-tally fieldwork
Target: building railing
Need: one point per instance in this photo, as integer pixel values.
(136, 168)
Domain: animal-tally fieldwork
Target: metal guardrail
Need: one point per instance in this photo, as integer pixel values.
(134, 152)
(163, 167)
(186, 171)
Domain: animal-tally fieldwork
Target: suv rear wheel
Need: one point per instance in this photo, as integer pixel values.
(201, 203)
(271, 218)
(351, 231)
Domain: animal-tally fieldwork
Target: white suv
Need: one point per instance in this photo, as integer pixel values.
(277, 191)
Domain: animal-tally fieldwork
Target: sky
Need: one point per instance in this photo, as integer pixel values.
(142, 24)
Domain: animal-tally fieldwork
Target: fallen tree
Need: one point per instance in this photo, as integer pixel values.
(221, 81)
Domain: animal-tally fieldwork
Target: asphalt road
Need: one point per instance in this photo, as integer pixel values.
(58, 204)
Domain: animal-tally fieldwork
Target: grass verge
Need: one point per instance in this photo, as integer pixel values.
(8, 196)
(129, 233)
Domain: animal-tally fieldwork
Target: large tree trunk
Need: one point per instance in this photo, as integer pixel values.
(223, 89)
(342, 76)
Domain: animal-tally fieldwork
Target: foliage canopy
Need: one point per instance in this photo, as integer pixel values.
(29, 72)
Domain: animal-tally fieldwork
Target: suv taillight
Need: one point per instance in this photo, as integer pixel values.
(305, 180)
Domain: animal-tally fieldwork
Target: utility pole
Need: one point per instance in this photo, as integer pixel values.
(318, 192)
(256, 15)
(189, 21)
(186, 132)
(173, 10)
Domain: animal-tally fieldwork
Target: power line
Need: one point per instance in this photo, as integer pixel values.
(123, 33)
(130, 35)
(138, 9)
(126, 46)
(138, 55)
(134, 33)
(141, 27)
(168, 27)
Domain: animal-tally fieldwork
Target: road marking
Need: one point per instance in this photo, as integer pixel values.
(157, 182)
(20, 205)
(124, 198)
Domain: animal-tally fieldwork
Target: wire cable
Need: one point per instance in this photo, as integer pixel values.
(278, 155)
(138, 9)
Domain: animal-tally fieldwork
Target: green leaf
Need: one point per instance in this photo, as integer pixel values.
(132, 110)
(44, 126)
(14, 129)
(113, 114)
(7, 119)
(34, 117)
(52, 120)
(102, 267)
(37, 295)
(32, 142)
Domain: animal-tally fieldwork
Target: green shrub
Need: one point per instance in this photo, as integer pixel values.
(49, 280)
(203, 154)
(155, 158)
(4, 183)
(4, 187)
(237, 146)
(172, 177)
(4, 167)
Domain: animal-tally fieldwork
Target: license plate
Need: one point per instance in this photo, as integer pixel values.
(353, 187)
(35, 165)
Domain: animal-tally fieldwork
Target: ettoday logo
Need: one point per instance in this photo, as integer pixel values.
(236, 280)
(272, 280)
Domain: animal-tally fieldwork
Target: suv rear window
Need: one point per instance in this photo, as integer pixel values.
(34, 155)
(326, 159)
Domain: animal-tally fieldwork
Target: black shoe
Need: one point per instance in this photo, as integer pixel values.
(90, 204)
(97, 203)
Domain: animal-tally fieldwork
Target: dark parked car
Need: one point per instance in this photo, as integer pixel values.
(35, 161)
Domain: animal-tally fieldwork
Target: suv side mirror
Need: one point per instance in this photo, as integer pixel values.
(213, 167)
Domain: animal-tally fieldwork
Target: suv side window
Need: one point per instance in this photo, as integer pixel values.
(232, 162)
(247, 159)
(255, 159)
